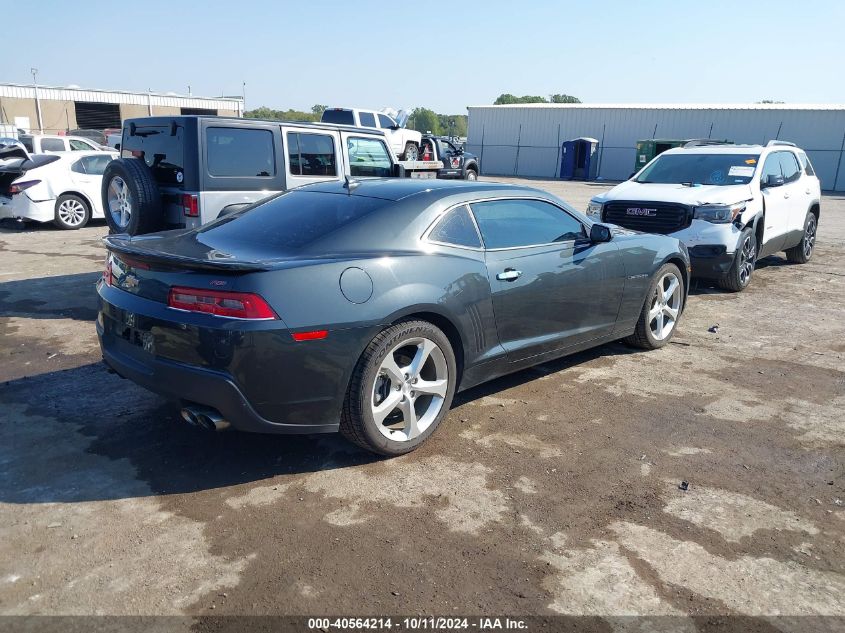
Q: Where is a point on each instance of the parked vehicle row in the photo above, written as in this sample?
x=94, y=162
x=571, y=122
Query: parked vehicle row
x=729, y=204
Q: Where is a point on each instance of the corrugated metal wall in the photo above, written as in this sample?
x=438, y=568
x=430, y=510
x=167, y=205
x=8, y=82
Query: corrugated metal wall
x=525, y=141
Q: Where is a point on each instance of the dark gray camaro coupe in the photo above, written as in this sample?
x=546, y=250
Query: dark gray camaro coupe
x=363, y=307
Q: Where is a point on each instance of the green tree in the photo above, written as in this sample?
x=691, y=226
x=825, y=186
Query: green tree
x=280, y=115
x=453, y=124
x=318, y=110
x=507, y=99
x=564, y=99
x=424, y=120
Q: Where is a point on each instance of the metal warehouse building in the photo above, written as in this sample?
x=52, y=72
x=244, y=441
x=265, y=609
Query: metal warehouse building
x=526, y=139
x=56, y=109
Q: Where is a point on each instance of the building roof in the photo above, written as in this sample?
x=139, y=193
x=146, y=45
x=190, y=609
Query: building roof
x=671, y=106
x=96, y=95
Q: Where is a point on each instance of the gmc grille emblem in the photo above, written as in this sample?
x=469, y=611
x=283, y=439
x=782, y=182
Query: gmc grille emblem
x=640, y=211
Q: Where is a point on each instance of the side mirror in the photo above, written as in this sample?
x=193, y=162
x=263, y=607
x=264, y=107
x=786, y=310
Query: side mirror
x=600, y=233
x=395, y=126
x=773, y=180
x=398, y=171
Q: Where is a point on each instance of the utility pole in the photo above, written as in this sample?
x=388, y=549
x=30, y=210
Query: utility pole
x=243, y=98
x=34, y=72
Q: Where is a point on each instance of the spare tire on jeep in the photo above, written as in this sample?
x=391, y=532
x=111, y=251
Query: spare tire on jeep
x=131, y=198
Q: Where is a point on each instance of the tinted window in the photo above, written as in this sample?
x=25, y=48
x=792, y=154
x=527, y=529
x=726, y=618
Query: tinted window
x=161, y=150
x=92, y=165
x=291, y=221
x=368, y=157
x=457, y=228
x=771, y=168
x=385, y=121
x=77, y=145
x=700, y=169
x=789, y=166
x=341, y=117
x=806, y=164
x=27, y=143
x=240, y=152
x=311, y=154
x=52, y=145
x=509, y=223
x=368, y=119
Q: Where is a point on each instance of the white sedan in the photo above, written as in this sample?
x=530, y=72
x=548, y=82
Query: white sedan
x=65, y=191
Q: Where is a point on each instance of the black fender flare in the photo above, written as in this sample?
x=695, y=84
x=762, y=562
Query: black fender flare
x=470, y=164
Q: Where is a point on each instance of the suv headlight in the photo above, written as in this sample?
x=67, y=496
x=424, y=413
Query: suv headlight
x=719, y=213
x=594, y=209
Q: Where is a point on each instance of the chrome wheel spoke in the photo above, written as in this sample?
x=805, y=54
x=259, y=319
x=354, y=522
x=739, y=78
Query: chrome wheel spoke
x=409, y=414
x=431, y=387
x=670, y=291
x=424, y=349
x=670, y=312
x=392, y=370
x=387, y=406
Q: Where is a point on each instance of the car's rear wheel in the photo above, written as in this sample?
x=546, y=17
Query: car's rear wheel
x=401, y=389
x=661, y=310
x=72, y=212
x=412, y=152
x=739, y=276
x=803, y=251
x=131, y=198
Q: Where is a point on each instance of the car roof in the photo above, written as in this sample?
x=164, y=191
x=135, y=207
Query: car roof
x=400, y=188
x=319, y=125
x=719, y=149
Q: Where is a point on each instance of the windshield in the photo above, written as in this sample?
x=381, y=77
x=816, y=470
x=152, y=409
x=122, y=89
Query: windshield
x=700, y=169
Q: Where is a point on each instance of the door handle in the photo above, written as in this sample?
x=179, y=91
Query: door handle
x=808, y=192
x=786, y=195
x=509, y=275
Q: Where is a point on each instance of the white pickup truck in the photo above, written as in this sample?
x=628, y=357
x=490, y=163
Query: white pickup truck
x=405, y=143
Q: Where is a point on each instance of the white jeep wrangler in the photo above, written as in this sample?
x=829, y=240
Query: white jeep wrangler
x=729, y=204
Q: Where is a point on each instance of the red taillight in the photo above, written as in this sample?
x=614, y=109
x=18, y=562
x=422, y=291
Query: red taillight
x=18, y=187
x=191, y=205
x=238, y=305
x=314, y=335
x=107, y=274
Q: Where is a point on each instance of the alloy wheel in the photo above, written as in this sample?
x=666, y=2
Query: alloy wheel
x=665, y=306
x=746, y=260
x=120, y=202
x=410, y=389
x=809, y=237
x=72, y=212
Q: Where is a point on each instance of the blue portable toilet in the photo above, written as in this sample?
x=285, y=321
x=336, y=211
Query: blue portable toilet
x=579, y=159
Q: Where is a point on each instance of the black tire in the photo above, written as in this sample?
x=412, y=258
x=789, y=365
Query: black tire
x=412, y=152
x=357, y=422
x=739, y=276
x=471, y=174
x=643, y=337
x=144, y=198
x=71, y=212
x=803, y=251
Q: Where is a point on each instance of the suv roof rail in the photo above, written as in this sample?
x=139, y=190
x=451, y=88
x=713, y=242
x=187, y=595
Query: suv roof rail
x=701, y=142
x=772, y=143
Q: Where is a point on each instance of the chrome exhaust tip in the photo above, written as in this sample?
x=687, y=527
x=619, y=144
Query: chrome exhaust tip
x=204, y=417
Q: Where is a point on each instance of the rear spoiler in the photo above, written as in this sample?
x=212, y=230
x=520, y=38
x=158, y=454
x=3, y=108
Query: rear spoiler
x=121, y=244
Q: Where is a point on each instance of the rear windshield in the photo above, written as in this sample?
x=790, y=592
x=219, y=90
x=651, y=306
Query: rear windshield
x=290, y=221
x=161, y=150
x=701, y=169
x=341, y=117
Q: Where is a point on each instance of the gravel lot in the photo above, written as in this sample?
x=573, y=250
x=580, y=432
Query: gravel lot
x=554, y=490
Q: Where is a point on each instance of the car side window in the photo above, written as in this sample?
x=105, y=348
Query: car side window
x=240, y=152
x=789, y=166
x=79, y=146
x=368, y=119
x=456, y=228
x=806, y=164
x=52, y=145
x=770, y=168
x=311, y=154
x=385, y=121
x=368, y=157
x=524, y=222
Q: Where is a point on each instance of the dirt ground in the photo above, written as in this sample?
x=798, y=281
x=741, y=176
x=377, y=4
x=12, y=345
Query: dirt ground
x=551, y=491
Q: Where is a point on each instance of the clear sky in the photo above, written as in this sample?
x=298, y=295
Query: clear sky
x=442, y=55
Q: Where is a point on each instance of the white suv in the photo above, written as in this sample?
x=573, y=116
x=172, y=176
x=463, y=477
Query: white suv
x=729, y=204
x=405, y=143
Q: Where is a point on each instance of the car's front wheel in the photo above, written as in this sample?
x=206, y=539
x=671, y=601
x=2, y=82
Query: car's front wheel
x=803, y=251
x=401, y=389
x=72, y=212
x=471, y=175
x=739, y=276
x=661, y=310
